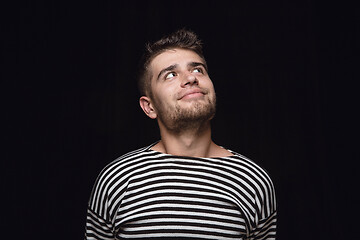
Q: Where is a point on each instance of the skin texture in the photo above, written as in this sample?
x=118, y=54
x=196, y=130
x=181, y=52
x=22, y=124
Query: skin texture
x=183, y=103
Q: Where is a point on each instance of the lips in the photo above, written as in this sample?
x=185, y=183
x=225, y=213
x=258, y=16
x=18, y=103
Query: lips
x=194, y=92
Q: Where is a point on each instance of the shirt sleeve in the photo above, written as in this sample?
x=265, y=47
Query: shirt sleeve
x=265, y=220
x=265, y=229
x=97, y=228
x=98, y=224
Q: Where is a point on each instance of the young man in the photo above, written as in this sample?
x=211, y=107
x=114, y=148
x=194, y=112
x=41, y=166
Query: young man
x=184, y=186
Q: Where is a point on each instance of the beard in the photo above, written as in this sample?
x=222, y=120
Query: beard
x=179, y=118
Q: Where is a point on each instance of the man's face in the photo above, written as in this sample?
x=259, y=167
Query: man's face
x=182, y=91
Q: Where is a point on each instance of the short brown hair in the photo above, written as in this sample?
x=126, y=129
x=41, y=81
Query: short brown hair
x=182, y=38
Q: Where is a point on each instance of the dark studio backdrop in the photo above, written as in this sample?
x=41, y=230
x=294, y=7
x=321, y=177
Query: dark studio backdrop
x=284, y=73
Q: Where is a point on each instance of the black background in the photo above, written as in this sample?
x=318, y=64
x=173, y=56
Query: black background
x=284, y=73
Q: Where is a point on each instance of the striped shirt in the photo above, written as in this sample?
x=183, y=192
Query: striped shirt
x=151, y=195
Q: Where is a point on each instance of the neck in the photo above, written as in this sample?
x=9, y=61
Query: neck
x=194, y=142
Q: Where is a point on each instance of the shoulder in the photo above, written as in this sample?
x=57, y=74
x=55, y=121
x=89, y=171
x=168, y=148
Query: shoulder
x=122, y=160
x=247, y=163
x=251, y=171
x=113, y=178
x=123, y=163
x=259, y=178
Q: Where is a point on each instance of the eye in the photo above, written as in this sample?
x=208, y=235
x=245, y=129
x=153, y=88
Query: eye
x=197, y=70
x=170, y=75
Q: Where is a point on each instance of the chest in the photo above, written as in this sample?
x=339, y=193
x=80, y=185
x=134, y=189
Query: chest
x=183, y=201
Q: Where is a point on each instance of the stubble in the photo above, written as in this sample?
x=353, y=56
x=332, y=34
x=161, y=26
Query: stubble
x=179, y=118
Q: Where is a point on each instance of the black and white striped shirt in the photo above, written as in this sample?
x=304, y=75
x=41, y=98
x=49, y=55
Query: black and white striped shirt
x=151, y=195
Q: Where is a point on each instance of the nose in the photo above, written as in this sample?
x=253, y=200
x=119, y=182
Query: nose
x=189, y=80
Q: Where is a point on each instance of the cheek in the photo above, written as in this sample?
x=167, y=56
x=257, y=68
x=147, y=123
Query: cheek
x=210, y=86
x=206, y=80
x=169, y=92
x=212, y=91
x=164, y=96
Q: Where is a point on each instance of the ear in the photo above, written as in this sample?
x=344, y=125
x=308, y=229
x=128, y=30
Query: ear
x=147, y=107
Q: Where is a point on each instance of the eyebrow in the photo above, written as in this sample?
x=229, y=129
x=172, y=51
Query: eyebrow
x=195, y=64
x=174, y=66
x=169, y=68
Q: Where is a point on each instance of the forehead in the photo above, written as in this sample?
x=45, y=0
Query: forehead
x=174, y=56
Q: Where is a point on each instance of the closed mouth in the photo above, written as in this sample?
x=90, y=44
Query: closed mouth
x=195, y=92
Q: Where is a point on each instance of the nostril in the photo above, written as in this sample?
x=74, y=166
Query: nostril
x=193, y=81
x=189, y=80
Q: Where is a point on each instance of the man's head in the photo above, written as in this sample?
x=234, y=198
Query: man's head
x=178, y=91
x=183, y=39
